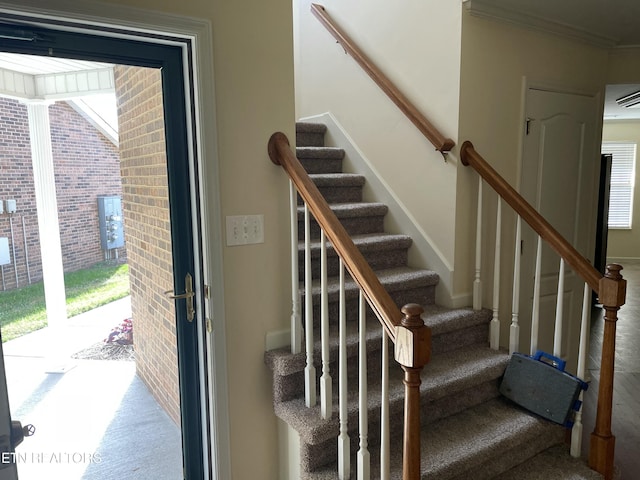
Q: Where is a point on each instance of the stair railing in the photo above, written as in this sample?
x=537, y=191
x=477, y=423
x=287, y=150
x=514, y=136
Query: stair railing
x=438, y=140
x=610, y=288
x=412, y=338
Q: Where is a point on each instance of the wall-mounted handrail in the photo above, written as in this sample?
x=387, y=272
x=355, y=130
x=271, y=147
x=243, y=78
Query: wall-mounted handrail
x=470, y=157
x=438, y=140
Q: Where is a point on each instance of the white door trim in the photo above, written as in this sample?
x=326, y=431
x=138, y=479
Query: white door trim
x=151, y=26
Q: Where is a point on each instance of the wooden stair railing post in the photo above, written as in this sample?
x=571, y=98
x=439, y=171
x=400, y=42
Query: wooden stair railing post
x=612, y=296
x=412, y=352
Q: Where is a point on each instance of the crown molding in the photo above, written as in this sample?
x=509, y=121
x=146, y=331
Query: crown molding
x=483, y=9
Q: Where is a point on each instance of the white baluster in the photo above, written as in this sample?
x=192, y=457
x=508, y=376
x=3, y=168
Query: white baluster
x=326, y=406
x=514, y=330
x=557, y=336
x=385, y=435
x=296, y=326
x=494, y=333
x=477, y=283
x=364, y=461
x=309, y=370
x=535, y=309
x=576, y=432
x=344, y=450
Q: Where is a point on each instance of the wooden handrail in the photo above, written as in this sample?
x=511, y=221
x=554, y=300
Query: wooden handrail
x=379, y=300
x=470, y=157
x=438, y=140
x=412, y=338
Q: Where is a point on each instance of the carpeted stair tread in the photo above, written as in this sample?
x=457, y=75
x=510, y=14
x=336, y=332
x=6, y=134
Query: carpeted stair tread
x=393, y=279
x=353, y=210
x=446, y=374
x=458, y=447
x=465, y=441
x=442, y=319
x=282, y=362
x=320, y=153
x=555, y=463
x=368, y=242
x=337, y=179
x=309, y=127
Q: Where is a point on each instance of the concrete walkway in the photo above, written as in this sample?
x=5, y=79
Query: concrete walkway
x=94, y=421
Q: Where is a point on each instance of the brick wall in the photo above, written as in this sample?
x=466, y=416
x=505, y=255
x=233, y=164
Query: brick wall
x=147, y=233
x=86, y=165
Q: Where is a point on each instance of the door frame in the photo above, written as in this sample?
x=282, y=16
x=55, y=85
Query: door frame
x=194, y=37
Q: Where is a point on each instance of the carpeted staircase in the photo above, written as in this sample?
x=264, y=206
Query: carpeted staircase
x=469, y=431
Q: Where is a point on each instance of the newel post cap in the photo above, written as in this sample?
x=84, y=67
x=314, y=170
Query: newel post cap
x=613, y=288
x=413, y=338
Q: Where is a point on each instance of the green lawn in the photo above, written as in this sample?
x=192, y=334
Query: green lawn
x=23, y=311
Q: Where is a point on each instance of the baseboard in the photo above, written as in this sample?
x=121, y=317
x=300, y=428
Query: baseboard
x=423, y=253
x=623, y=260
x=289, y=452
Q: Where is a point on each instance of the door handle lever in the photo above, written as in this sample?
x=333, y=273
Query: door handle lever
x=187, y=295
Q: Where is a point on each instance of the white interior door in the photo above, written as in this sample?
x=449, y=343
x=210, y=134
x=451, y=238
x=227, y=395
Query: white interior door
x=559, y=178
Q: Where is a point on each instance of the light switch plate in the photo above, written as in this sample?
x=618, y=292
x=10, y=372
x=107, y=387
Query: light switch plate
x=245, y=229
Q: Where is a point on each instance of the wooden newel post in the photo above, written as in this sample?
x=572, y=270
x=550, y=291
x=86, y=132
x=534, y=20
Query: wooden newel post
x=613, y=289
x=412, y=352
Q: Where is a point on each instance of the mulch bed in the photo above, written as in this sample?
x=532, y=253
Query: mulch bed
x=106, y=351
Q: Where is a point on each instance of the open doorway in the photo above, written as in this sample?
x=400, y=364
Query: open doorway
x=174, y=212
x=80, y=405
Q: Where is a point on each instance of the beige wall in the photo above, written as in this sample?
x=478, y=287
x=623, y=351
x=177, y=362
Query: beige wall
x=496, y=57
x=422, y=59
x=253, y=62
x=624, y=244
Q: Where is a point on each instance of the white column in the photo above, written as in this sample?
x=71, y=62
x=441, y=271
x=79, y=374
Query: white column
x=47, y=206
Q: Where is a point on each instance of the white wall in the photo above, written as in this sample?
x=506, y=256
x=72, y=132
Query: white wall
x=625, y=244
x=496, y=57
x=417, y=45
x=254, y=95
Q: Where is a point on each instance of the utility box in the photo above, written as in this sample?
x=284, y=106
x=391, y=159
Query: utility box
x=111, y=222
x=5, y=257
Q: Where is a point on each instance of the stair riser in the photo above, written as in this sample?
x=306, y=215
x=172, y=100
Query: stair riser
x=290, y=386
x=509, y=458
x=341, y=194
x=378, y=260
x=353, y=226
x=310, y=139
x=317, y=456
x=322, y=165
x=420, y=295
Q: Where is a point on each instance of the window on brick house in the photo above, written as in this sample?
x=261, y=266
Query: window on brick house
x=623, y=168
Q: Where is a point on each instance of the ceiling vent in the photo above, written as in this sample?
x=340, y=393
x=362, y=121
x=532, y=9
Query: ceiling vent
x=630, y=100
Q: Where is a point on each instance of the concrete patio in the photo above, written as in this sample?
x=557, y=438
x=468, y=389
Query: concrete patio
x=94, y=419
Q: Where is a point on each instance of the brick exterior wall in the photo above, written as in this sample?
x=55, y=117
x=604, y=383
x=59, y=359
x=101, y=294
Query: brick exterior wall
x=86, y=165
x=147, y=232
